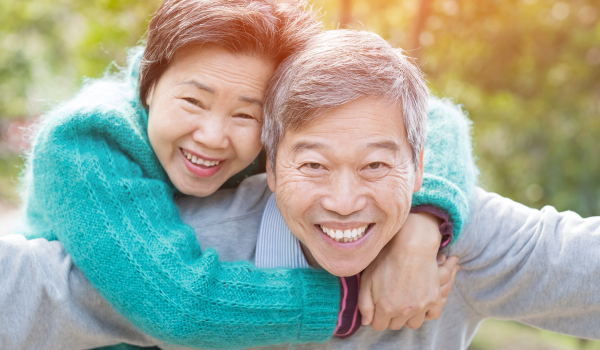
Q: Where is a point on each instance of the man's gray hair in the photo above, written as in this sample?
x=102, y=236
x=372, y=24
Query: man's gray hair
x=337, y=67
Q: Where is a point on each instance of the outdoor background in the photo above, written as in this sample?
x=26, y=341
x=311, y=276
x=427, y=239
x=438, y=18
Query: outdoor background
x=527, y=71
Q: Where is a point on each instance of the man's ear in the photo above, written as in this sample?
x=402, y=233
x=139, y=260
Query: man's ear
x=270, y=176
x=419, y=172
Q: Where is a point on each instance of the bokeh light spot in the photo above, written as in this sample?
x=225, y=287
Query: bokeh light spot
x=534, y=192
x=450, y=7
x=560, y=11
x=587, y=15
x=593, y=56
x=426, y=38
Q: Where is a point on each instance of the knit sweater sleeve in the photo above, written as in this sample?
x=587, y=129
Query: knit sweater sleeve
x=450, y=173
x=93, y=185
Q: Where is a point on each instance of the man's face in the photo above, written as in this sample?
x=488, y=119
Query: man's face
x=344, y=183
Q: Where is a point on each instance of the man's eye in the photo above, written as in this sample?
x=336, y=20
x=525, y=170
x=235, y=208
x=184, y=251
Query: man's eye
x=314, y=166
x=375, y=165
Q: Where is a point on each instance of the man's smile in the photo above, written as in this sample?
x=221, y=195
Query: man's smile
x=345, y=235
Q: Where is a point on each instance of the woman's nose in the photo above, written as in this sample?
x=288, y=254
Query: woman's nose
x=212, y=132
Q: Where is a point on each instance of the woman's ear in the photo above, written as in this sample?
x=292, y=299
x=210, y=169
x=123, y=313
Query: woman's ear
x=270, y=176
x=149, y=96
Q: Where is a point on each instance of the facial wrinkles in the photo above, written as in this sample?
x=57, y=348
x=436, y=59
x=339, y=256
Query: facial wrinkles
x=402, y=185
x=176, y=125
x=190, y=125
x=224, y=73
x=354, y=136
x=228, y=85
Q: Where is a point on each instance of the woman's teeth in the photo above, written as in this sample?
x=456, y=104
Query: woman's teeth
x=345, y=235
x=200, y=161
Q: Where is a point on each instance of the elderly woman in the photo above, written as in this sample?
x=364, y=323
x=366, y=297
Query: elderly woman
x=106, y=167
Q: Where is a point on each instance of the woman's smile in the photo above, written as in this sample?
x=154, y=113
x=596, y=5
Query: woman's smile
x=199, y=165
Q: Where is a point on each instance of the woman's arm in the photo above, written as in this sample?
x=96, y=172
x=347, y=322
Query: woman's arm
x=95, y=184
x=450, y=173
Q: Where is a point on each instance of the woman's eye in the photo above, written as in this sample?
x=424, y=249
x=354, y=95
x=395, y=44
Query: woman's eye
x=193, y=101
x=244, y=116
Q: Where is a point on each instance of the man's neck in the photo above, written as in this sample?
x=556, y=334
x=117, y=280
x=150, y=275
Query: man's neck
x=309, y=257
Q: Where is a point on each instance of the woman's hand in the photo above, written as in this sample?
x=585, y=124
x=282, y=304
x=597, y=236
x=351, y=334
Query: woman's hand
x=408, y=282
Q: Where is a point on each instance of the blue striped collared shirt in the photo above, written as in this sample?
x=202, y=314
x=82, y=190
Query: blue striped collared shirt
x=276, y=246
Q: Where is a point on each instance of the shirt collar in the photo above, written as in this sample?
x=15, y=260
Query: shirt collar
x=276, y=246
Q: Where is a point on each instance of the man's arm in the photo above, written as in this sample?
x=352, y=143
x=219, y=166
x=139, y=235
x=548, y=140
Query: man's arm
x=47, y=303
x=538, y=267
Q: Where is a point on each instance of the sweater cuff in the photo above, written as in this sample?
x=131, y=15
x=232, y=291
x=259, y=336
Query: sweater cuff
x=445, y=195
x=349, y=318
x=445, y=227
x=320, y=306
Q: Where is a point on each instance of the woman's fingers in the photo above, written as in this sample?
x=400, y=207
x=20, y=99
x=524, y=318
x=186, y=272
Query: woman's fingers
x=441, y=257
x=415, y=322
x=365, y=302
x=448, y=272
x=435, y=312
x=384, y=312
x=446, y=288
x=446, y=269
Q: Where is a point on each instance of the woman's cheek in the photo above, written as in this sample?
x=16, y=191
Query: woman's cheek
x=246, y=140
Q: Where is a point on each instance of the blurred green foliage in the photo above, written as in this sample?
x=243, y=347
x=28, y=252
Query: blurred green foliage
x=502, y=335
x=46, y=47
x=528, y=73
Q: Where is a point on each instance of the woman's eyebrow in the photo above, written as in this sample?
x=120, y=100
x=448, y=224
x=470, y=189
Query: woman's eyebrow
x=198, y=85
x=251, y=100
x=207, y=88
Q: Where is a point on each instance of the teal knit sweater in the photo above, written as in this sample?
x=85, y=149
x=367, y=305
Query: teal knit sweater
x=450, y=173
x=93, y=182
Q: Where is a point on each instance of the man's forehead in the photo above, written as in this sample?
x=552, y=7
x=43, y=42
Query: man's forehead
x=365, y=112
x=304, y=144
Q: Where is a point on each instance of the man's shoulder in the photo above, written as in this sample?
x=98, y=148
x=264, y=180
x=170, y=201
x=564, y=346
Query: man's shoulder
x=493, y=219
x=248, y=199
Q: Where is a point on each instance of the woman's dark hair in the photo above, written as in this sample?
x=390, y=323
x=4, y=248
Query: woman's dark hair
x=263, y=27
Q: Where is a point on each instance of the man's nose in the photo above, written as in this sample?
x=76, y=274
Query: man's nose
x=345, y=196
x=212, y=131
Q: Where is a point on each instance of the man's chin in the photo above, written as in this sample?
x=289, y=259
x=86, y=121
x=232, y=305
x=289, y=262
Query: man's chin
x=343, y=268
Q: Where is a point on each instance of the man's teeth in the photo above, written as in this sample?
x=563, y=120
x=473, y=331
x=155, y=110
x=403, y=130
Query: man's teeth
x=200, y=161
x=345, y=235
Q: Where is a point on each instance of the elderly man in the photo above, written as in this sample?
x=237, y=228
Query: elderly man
x=345, y=156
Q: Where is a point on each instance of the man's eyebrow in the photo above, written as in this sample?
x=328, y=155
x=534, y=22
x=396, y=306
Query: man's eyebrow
x=391, y=145
x=198, y=85
x=251, y=100
x=303, y=145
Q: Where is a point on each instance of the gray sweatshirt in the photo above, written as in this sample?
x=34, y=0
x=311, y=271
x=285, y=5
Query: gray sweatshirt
x=535, y=267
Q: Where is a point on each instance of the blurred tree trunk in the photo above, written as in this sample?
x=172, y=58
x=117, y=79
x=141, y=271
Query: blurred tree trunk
x=414, y=43
x=345, y=12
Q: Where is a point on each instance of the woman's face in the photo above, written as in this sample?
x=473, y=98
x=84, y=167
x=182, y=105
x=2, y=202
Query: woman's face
x=205, y=116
